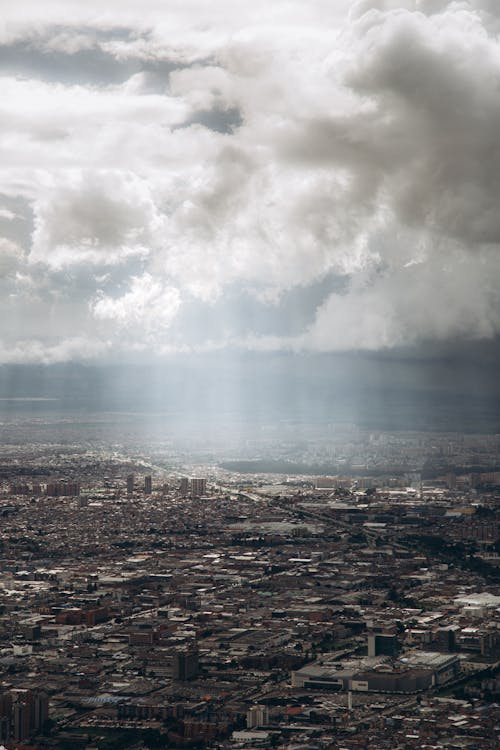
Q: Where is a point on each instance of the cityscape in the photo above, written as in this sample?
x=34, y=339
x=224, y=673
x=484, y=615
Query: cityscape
x=150, y=601
x=250, y=375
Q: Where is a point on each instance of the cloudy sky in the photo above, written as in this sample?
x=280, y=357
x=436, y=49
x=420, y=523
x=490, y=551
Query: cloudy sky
x=286, y=176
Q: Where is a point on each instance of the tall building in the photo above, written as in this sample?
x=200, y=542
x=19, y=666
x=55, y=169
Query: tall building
x=40, y=711
x=382, y=644
x=5, y=716
x=130, y=485
x=21, y=721
x=4, y=728
x=184, y=486
x=19, y=489
x=148, y=485
x=445, y=638
x=185, y=665
x=451, y=481
x=257, y=716
x=23, y=714
x=62, y=489
x=198, y=486
x=5, y=704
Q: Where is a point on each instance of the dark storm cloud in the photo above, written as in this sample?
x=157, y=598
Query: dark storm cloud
x=426, y=132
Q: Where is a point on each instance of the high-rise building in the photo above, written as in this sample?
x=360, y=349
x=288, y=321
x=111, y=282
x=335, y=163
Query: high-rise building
x=185, y=665
x=385, y=644
x=40, y=711
x=5, y=716
x=198, y=486
x=62, y=489
x=445, y=638
x=19, y=489
x=4, y=728
x=148, y=485
x=23, y=713
x=257, y=716
x=130, y=485
x=5, y=704
x=184, y=486
x=21, y=721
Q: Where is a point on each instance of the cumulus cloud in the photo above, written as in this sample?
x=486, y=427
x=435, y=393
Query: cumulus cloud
x=437, y=78
x=93, y=218
x=416, y=303
x=147, y=306
x=265, y=148
x=11, y=258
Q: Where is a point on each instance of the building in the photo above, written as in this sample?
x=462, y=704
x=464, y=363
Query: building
x=40, y=711
x=184, y=486
x=326, y=483
x=148, y=485
x=185, y=665
x=5, y=716
x=198, y=486
x=130, y=485
x=445, y=638
x=247, y=738
x=382, y=644
x=418, y=670
x=29, y=712
x=21, y=721
x=257, y=716
x=19, y=489
x=62, y=489
x=4, y=728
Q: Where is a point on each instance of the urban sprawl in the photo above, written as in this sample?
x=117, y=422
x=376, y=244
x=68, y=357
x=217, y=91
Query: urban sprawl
x=148, y=600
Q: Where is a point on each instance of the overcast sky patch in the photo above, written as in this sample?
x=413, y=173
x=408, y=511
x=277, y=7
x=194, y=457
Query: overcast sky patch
x=272, y=177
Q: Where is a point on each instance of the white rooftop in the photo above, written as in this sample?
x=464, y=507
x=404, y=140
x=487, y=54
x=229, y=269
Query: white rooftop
x=478, y=600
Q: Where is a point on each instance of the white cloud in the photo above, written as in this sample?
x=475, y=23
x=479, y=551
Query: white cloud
x=93, y=218
x=11, y=258
x=147, y=308
x=5, y=213
x=53, y=126
x=411, y=305
x=30, y=351
x=366, y=146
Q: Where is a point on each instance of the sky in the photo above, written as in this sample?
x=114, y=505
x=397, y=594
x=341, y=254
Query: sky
x=268, y=210
x=289, y=181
